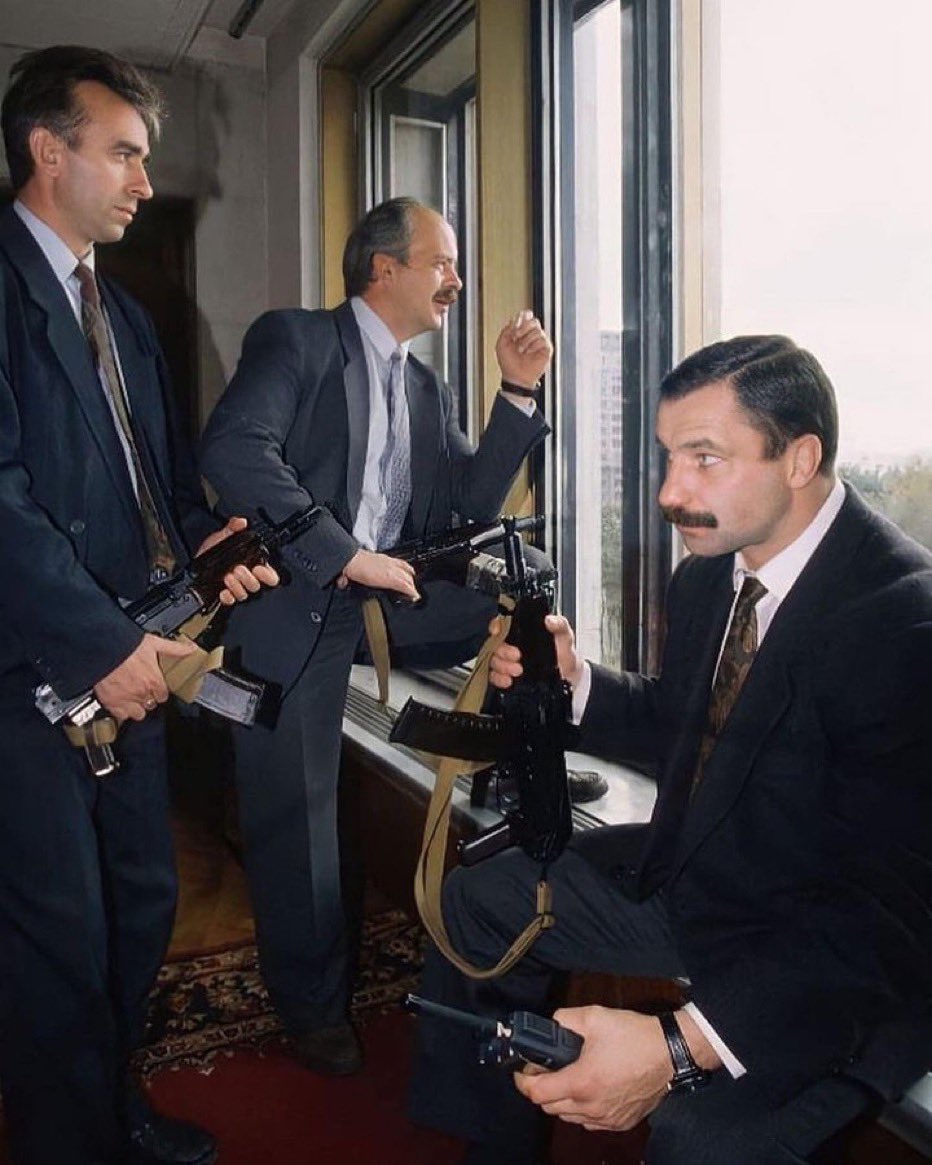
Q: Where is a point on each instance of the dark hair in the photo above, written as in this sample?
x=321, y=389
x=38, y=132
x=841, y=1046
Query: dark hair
x=783, y=389
x=386, y=230
x=41, y=93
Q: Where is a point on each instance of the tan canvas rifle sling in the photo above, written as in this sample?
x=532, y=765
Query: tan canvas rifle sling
x=428, y=877
x=184, y=676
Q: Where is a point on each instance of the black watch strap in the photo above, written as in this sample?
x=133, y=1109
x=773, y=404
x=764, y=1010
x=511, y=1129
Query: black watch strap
x=520, y=389
x=686, y=1072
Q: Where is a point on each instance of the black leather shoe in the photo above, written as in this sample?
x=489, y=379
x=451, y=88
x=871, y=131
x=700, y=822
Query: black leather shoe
x=160, y=1140
x=332, y=1051
x=491, y=791
x=585, y=785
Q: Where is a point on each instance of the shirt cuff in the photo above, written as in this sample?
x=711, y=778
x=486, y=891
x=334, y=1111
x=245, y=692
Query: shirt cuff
x=526, y=404
x=581, y=692
x=730, y=1061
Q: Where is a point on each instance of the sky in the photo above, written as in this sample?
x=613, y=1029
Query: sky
x=826, y=223
x=824, y=137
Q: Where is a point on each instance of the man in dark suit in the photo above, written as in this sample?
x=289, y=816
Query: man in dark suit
x=331, y=405
x=97, y=499
x=786, y=874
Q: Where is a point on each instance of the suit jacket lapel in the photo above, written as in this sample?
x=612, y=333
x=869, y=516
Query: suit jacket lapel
x=356, y=384
x=142, y=388
x=768, y=690
x=698, y=652
x=70, y=348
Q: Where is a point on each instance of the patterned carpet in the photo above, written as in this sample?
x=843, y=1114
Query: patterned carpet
x=214, y=1004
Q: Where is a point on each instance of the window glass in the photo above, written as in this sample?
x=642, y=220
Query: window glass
x=825, y=227
x=597, y=101
x=424, y=139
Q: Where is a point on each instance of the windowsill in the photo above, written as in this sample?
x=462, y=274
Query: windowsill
x=630, y=796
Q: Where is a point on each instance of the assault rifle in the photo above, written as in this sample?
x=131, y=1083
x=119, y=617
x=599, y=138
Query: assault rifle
x=164, y=610
x=526, y=735
x=456, y=554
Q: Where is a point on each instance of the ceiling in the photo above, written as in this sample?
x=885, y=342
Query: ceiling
x=157, y=33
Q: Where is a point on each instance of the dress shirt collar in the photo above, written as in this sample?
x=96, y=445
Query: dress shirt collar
x=376, y=331
x=781, y=572
x=60, y=256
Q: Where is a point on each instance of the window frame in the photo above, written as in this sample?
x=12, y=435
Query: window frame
x=647, y=296
x=432, y=27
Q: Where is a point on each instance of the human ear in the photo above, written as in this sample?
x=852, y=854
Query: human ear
x=382, y=267
x=46, y=150
x=805, y=459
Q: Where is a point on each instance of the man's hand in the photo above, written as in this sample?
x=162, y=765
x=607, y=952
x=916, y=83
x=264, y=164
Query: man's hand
x=505, y=664
x=619, y=1078
x=523, y=350
x=380, y=572
x=240, y=582
x=136, y=686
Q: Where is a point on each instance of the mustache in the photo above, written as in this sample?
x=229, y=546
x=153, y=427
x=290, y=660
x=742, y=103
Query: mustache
x=447, y=295
x=678, y=517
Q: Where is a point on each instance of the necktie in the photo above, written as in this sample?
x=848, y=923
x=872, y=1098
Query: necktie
x=738, y=653
x=395, y=463
x=158, y=546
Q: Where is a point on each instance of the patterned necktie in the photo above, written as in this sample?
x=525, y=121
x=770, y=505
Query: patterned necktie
x=395, y=463
x=738, y=653
x=158, y=546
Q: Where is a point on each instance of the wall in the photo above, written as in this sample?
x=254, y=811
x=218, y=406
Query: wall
x=213, y=150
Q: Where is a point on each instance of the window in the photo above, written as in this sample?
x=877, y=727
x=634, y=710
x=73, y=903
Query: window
x=420, y=106
x=818, y=150
x=605, y=273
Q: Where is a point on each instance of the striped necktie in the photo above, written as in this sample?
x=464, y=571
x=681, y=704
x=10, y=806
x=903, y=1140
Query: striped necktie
x=395, y=463
x=161, y=557
x=738, y=652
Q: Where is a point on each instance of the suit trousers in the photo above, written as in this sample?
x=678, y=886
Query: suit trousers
x=87, y=894
x=597, y=929
x=287, y=785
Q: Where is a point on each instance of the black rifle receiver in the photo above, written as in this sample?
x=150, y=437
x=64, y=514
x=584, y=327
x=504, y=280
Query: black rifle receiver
x=523, y=1038
x=446, y=553
x=526, y=734
x=456, y=555
x=166, y=607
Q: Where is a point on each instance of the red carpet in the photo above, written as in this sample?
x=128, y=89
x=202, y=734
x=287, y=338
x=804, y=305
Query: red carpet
x=216, y=1056
x=267, y=1110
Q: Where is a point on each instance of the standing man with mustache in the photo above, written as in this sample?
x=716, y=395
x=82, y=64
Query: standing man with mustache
x=98, y=501
x=330, y=405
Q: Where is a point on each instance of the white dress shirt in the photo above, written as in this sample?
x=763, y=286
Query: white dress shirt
x=378, y=344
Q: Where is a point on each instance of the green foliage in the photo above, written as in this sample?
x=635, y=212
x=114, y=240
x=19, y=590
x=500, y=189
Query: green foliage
x=902, y=492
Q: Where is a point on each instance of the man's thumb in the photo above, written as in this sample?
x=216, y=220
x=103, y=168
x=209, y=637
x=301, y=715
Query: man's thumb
x=176, y=648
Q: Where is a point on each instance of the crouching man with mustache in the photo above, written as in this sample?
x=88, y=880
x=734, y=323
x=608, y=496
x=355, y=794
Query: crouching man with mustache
x=331, y=405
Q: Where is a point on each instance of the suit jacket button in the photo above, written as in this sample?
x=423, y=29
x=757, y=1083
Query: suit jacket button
x=315, y=616
x=76, y=526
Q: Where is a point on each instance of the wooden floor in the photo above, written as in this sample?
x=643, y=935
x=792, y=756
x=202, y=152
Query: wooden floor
x=213, y=901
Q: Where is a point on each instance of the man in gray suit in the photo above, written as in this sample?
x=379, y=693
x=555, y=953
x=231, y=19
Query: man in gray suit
x=330, y=405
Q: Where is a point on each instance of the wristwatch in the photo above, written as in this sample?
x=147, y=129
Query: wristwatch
x=687, y=1075
x=520, y=389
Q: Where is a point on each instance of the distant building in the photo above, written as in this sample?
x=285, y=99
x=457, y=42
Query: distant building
x=610, y=415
